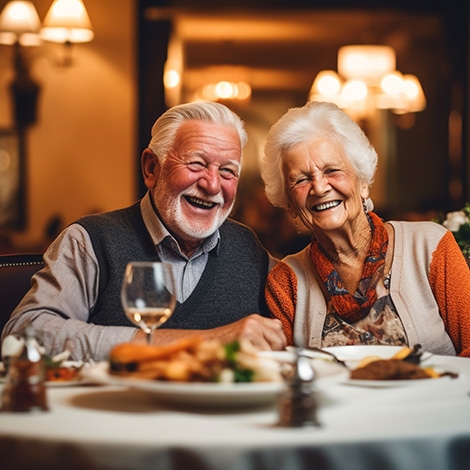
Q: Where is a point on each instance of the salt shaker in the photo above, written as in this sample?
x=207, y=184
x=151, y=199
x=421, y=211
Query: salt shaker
x=297, y=404
x=25, y=389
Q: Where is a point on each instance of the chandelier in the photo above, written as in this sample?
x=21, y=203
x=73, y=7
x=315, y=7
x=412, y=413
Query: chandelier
x=367, y=80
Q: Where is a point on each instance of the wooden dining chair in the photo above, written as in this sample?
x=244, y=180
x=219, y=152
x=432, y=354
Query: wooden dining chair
x=15, y=280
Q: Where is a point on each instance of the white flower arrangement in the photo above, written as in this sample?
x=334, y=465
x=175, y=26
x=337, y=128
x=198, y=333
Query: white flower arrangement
x=458, y=223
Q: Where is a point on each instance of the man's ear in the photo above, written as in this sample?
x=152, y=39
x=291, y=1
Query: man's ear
x=150, y=168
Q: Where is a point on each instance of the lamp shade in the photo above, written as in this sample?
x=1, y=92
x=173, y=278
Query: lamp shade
x=67, y=21
x=326, y=83
x=19, y=18
x=366, y=62
x=414, y=91
x=327, y=87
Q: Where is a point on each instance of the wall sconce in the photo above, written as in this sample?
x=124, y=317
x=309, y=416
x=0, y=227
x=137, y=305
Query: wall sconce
x=66, y=22
x=367, y=80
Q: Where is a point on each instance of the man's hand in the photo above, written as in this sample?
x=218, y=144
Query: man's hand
x=264, y=333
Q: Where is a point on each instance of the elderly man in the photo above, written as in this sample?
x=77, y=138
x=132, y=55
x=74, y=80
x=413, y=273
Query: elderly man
x=191, y=169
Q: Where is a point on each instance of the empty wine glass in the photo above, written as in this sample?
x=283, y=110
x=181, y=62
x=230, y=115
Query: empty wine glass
x=148, y=294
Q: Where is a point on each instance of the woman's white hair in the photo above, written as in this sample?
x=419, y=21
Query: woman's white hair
x=304, y=124
x=166, y=126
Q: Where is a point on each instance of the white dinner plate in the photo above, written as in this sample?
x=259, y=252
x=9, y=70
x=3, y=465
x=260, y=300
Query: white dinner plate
x=352, y=355
x=394, y=383
x=213, y=395
x=79, y=380
x=67, y=383
x=58, y=383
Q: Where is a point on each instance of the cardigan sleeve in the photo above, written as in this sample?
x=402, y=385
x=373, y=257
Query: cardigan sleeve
x=449, y=277
x=281, y=297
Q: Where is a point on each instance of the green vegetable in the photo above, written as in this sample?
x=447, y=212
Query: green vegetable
x=241, y=374
x=50, y=364
x=230, y=351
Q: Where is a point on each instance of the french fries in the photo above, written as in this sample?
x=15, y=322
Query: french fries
x=130, y=352
x=193, y=360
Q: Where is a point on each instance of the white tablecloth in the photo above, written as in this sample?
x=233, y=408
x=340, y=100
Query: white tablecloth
x=425, y=427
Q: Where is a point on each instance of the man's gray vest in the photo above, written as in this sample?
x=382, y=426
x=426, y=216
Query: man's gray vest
x=231, y=287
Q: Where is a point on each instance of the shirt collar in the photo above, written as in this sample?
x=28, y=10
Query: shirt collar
x=159, y=233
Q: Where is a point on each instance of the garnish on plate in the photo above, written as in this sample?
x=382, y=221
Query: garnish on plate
x=59, y=371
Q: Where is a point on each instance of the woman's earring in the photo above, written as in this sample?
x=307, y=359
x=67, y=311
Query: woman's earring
x=364, y=206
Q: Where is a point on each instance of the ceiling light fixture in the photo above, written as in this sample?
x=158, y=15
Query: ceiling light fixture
x=367, y=80
x=226, y=90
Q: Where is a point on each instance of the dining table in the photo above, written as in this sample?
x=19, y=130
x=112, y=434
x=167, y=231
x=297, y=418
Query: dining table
x=420, y=425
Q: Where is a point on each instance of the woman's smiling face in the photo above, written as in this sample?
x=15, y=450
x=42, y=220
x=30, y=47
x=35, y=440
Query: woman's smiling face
x=322, y=186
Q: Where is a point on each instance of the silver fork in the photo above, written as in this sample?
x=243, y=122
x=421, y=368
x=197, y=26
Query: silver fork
x=323, y=351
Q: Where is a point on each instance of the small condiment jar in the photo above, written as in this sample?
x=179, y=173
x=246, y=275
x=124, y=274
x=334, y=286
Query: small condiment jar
x=297, y=404
x=25, y=389
x=11, y=346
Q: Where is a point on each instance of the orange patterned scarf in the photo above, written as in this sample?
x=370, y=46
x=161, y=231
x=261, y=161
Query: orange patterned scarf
x=349, y=307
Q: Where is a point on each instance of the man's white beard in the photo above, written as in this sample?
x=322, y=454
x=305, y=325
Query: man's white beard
x=193, y=228
x=173, y=215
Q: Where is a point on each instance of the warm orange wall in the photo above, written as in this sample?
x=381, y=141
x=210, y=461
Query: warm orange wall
x=81, y=151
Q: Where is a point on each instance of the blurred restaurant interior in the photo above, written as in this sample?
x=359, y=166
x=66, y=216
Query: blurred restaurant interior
x=75, y=116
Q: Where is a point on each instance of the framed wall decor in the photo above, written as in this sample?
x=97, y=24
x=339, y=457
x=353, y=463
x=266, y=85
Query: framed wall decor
x=12, y=180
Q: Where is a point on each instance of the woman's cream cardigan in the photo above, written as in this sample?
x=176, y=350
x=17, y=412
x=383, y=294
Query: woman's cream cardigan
x=429, y=286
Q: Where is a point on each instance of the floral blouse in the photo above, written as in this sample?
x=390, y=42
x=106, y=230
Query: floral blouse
x=382, y=325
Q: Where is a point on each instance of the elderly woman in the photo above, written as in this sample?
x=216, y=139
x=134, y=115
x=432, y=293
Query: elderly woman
x=360, y=280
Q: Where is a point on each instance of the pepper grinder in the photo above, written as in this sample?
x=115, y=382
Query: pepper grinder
x=25, y=389
x=297, y=404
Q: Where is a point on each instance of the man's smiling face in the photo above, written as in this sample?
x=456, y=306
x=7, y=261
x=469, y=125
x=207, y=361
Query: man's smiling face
x=197, y=183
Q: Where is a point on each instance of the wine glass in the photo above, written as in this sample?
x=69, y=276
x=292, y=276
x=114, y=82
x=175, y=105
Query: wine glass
x=148, y=294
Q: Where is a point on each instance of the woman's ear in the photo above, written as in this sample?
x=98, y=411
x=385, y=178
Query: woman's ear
x=150, y=168
x=365, y=191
